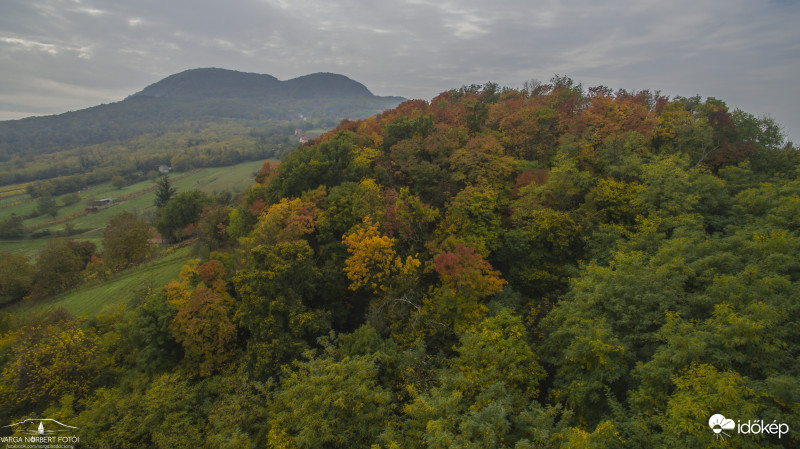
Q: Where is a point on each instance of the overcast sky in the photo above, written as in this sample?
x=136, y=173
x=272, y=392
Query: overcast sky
x=60, y=55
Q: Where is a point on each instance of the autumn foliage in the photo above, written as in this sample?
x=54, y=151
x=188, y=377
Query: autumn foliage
x=548, y=267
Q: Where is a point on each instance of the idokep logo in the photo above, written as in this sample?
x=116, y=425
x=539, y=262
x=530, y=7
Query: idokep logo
x=719, y=424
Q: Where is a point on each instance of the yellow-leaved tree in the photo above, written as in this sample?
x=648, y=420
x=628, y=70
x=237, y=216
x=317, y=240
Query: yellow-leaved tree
x=373, y=263
x=48, y=362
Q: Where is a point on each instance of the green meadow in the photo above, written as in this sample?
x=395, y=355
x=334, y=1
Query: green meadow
x=135, y=198
x=95, y=298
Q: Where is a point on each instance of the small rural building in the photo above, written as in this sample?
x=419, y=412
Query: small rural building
x=104, y=202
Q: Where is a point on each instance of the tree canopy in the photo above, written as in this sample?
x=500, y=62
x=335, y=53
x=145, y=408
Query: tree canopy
x=545, y=267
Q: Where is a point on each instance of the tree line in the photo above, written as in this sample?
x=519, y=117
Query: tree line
x=128, y=240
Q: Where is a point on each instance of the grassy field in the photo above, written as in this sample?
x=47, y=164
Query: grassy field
x=136, y=199
x=93, y=299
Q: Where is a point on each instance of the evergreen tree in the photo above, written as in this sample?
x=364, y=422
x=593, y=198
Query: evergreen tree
x=164, y=192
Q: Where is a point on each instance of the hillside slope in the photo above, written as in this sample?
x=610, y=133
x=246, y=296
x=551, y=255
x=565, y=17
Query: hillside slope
x=497, y=268
x=187, y=102
x=199, y=95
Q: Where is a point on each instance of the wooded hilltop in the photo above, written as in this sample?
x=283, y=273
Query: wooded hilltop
x=550, y=266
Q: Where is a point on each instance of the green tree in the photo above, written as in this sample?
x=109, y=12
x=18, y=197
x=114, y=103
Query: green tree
x=330, y=163
x=702, y=391
x=672, y=190
x=69, y=199
x=16, y=277
x=179, y=212
x=161, y=412
x=240, y=222
x=408, y=217
x=146, y=342
x=566, y=187
x=481, y=397
x=541, y=251
x=49, y=361
x=212, y=228
x=119, y=182
x=126, y=240
x=164, y=191
x=329, y=403
x=236, y=418
x=60, y=265
x=612, y=201
x=46, y=205
x=275, y=287
x=12, y=228
x=681, y=128
x=346, y=205
x=473, y=218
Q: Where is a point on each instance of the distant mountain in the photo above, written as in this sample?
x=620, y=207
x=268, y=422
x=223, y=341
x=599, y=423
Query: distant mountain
x=191, y=98
x=325, y=84
x=213, y=82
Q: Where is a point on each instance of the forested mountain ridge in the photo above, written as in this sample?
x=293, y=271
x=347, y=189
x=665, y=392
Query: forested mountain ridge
x=196, y=95
x=496, y=268
x=251, y=111
x=212, y=82
x=215, y=82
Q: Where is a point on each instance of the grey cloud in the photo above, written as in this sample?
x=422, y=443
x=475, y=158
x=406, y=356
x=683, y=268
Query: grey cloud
x=82, y=52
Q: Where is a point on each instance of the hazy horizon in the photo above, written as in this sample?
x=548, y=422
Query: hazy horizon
x=60, y=56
